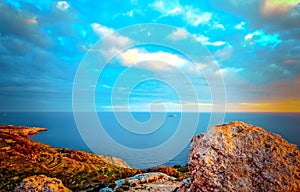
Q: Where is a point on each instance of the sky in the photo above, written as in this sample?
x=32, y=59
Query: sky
x=248, y=55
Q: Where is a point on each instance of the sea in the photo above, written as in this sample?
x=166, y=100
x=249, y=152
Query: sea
x=141, y=141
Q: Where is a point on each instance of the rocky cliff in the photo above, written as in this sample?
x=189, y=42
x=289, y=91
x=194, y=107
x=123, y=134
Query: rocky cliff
x=21, y=157
x=242, y=157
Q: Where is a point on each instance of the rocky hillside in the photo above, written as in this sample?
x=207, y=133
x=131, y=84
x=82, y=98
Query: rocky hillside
x=242, y=157
x=21, y=157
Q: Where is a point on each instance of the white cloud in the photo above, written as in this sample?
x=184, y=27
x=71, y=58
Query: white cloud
x=201, y=38
x=205, y=41
x=229, y=71
x=218, y=26
x=240, y=26
x=192, y=16
x=195, y=17
x=259, y=37
x=216, y=43
x=168, y=9
x=101, y=30
x=113, y=43
x=249, y=36
x=130, y=13
x=197, y=68
x=224, y=54
x=158, y=61
x=62, y=5
x=112, y=39
x=175, y=11
x=179, y=34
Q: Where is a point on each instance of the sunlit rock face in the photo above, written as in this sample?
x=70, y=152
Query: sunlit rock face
x=242, y=157
x=41, y=183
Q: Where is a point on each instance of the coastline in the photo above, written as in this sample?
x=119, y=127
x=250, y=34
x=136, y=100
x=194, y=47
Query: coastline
x=21, y=130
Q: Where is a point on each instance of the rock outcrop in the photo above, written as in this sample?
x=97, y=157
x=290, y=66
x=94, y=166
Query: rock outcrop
x=242, y=157
x=144, y=178
x=41, y=183
x=114, y=161
x=21, y=130
x=151, y=181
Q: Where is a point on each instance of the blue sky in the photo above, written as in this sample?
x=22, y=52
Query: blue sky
x=255, y=44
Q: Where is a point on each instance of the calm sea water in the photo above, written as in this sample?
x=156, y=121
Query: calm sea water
x=63, y=131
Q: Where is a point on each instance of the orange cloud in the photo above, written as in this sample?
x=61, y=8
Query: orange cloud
x=277, y=106
x=31, y=21
x=277, y=7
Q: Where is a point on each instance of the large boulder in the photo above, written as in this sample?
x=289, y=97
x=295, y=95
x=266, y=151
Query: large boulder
x=242, y=157
x=41, y=183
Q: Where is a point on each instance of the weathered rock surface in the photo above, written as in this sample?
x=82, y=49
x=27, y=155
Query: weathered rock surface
x=152, y=181
x=145, y=178
x=114, y=160
x=41, y=183
x=242, y=157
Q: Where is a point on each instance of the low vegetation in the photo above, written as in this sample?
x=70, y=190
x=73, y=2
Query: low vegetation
x=21, y=157
x=177, y=171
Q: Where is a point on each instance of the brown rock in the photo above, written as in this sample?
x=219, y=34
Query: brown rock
x=21, y=130
x=114, y=161
x=242, y=157
x=41, y=183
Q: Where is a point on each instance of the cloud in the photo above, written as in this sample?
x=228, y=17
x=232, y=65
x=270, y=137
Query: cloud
x=240, y=26
x=101, y=30
x=267, y=106
x=14, y=46
x=178, y=34
x=287, y=88
x=291, y=61
x=273, y=8
x=195, y=17
x=167, y=8
x=62, y=5
x=229, y=71
x=218, y=26
x=191, y=15
x=113, y=43
x=259, y=37
x=224, y=54
x=16, y=24
x=206, y=41
x=157, y=61
x=157, y=107
x=31, y=21
x=196, y=69
x=273, y=16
